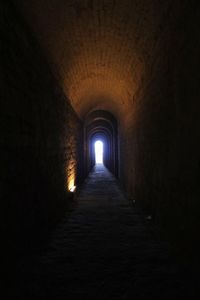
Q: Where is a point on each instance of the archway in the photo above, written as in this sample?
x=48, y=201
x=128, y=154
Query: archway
x=101, y=126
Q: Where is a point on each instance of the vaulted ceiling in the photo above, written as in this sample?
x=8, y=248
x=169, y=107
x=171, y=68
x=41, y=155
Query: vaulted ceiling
x=99, y=49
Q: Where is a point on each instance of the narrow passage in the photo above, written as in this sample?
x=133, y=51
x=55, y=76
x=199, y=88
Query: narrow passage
x=105, y=249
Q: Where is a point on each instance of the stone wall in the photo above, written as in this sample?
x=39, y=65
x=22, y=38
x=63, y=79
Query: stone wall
x=160, y=140
x=40, y=135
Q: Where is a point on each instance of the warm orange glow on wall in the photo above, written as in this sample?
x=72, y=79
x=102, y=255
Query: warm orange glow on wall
x=71, y=183
x=71, y=175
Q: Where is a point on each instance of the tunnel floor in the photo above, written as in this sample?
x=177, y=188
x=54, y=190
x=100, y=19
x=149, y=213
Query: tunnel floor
x=105, y=249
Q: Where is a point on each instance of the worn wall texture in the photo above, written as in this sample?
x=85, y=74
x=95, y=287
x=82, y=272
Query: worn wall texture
x=138, y=60
x=160, y=142
x=40, y=134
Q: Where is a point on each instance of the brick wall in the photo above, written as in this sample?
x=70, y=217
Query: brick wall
x=160, y=141
x=136, y=59
x=40, y=134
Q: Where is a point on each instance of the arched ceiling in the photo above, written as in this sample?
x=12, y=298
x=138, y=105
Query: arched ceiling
x=99, y=49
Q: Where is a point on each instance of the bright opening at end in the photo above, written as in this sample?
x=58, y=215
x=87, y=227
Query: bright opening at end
x=98, y=146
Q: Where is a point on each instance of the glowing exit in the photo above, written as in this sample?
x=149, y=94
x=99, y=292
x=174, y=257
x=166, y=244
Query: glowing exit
x=98, y=146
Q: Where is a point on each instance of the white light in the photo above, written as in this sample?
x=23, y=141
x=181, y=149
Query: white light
x=98, y=152
x=72, y=189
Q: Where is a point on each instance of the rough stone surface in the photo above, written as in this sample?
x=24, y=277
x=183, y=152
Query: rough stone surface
x=40, y=135
x=105, y=249
x=139, y=60
x=160, y=140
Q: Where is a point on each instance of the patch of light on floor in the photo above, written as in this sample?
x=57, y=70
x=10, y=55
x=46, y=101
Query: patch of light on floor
x=98, y=146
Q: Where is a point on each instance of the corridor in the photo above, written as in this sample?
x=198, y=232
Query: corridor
x=125, y=74
x=105, y=249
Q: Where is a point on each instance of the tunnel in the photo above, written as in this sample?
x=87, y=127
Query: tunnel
x=126, y=73
x=102, y=125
